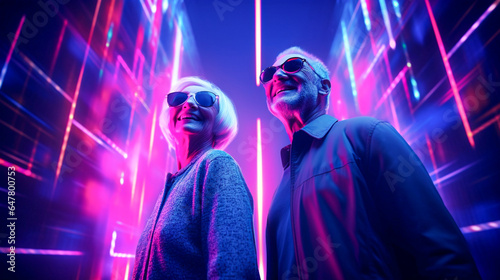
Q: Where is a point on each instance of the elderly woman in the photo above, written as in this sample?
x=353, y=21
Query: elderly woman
x=201, y=225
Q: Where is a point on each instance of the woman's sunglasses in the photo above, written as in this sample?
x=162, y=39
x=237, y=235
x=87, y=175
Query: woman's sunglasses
x=291, y=65
x=202, y=98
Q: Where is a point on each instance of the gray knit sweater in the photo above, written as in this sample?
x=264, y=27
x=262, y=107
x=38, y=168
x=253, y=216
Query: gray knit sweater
x=201, y=226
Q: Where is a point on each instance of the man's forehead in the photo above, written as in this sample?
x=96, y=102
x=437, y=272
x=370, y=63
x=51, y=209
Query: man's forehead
x=282, y=58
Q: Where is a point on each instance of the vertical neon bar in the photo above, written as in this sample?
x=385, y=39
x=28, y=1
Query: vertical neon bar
x=366, y=16
x=258, y=53
x=75, y=98
x=58, y=48
x=260, y=189
x=451, y=78
x=395, y=5
x=12, y=47
x=387, y=23
x=177, y=55
x=349, y=64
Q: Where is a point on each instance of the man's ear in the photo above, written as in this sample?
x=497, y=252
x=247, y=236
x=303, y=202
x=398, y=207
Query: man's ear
x=325, y=87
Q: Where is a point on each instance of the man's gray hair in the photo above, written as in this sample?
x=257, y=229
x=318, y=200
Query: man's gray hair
x=316, y=63
x=225, y=123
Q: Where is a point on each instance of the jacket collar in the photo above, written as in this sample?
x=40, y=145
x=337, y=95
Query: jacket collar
x=317, y=128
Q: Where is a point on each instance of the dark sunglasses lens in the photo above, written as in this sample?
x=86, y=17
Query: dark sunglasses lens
x=205, y=98
x=268, y=74
x=292, y=65
x=176, y=98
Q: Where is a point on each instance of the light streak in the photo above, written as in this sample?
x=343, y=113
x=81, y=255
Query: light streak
x=29, y=251
x=20, y=170
x=11, y=50
x=395, y=5
x=481, y=227
x=258, y=43
x=454, y=173
x=366, y=16
x=349, y=64
x=375, y=60
x=387, y=23
x=473, y=28
x=59, y=42
x=260, y=189
x=392, y=86
x=177, y=55
x=112, y=249
x=75, y=99
x=451, y=78
x=152, y=136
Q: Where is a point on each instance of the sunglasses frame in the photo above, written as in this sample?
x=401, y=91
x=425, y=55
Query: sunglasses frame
x=195, y=100
x=288, y=72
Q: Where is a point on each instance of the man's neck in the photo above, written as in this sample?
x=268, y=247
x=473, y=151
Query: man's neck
x=297, y=121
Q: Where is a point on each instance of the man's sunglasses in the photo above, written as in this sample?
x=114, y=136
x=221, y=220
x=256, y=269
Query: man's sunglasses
x=291, y=65
x=202, y=98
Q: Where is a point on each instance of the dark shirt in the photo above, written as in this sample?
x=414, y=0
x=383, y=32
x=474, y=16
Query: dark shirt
x=201, y=226
x=355, y=202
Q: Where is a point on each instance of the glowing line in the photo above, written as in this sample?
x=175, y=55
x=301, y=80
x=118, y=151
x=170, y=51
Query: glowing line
x=112, y=249
x=392, y=86
x=108, y=144
x=59, y=42
x=28, y=251
x=20, y=170
x=387, y=23
x=375, y=60
x=395, y=4
x=349, y=64
x=75, y=99
x=454, y=173
x=11, y=50
x=141, y=204
x=366, y=16
x=488, y=123
x=451, y=78
x=258, y=43
x=127, y=270
x=260, y=190
x=177, y=55
x=473, y=28
x=481, y=227
x=89, y=134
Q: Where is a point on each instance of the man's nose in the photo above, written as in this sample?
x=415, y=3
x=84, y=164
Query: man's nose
x=280, y=74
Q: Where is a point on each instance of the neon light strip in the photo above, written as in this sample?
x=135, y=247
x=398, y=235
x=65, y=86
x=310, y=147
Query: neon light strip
x=89, y=134
x=11, y=50
x=454, y=173
x=75, y=99
x=395, y=4
x=59, y=42
x=451, y=78
x=349, y=64
x=27, y=251
x=481, y=227
x=387, y=23
x=473, y=28
x=47, y=78
x=111, y=146
x=20, y=169
x=392, y=86
x=258, y=42
x=152, y=136
x=177, y=55
x=375, y=60
x=488, y=123
x=260, y=190
x=366, y=16
x=112, y=249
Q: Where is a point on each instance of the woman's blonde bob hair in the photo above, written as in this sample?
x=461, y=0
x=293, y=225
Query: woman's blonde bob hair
x=225, y=123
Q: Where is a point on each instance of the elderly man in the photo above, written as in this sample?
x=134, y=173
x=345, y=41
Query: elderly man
x=355, y=202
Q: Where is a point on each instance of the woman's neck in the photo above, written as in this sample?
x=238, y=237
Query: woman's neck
x=187, y=149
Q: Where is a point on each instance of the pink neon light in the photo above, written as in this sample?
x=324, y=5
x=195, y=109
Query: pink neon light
x=11, y=50
x=112, y=249
x=472, y=28
x=260, y=189
x=75, y=99
x=451, y=78
x=20, y=169
x=27, y=251
x=177, y=55
x=59, y=41
x=392, y=86
x=375, y=60
x=152, y=136
x=258, y=43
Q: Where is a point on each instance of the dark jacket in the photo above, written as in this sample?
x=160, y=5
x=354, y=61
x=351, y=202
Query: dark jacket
x=355, y=202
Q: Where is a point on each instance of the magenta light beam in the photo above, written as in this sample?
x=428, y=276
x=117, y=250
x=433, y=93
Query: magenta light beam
x=473, y=28
x=349, y=64
x=260, y=189
x=11, y=50
x=451, y=78
x=258, y=44
x=177, y=55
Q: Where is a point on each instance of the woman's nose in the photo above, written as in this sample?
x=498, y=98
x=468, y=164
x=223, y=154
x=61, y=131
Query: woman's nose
x=191, y=102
